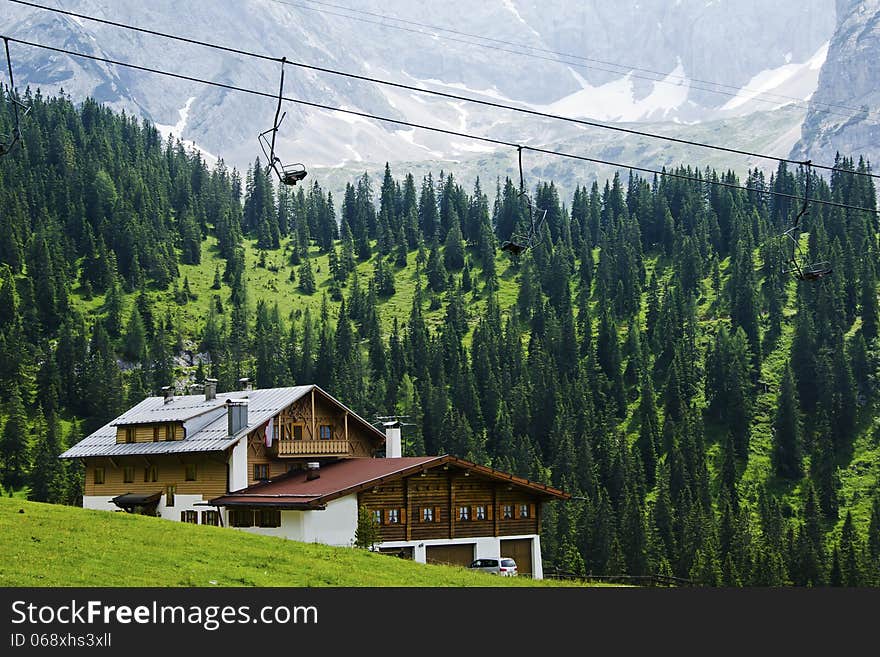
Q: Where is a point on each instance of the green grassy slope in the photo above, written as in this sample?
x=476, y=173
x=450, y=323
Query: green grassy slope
x=272, y=283
x=53, y=545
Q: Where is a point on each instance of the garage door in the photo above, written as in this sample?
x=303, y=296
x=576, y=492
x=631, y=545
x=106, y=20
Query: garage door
x=460, y=554
x=520, y=550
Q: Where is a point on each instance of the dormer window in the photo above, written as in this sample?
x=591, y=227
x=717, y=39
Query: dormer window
x=169, y=431
x=129, y=434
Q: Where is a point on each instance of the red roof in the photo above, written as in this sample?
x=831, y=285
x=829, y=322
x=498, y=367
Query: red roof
x=294, y=490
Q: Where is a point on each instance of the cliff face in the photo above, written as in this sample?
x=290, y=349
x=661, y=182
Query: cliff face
x=844, y=113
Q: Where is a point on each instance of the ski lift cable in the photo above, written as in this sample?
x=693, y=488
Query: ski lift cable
x=445, y=131
x=451, y=96
x=15, y=136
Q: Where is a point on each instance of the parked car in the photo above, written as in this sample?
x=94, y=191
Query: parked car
x=504, y=566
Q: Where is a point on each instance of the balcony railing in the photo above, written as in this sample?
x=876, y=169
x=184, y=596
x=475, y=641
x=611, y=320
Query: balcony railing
x=309, y=447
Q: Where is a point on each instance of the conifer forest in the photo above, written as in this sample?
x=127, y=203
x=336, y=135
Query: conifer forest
x=713, y=417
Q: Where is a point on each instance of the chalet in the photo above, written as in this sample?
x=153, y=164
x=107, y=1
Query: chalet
x=295, y=462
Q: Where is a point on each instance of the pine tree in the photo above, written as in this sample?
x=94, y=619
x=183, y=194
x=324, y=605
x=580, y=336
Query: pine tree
x=306, y=277
x=47, y=478
x=135, y=340
x=786, y=431
x=453, y=250
x=14, y=459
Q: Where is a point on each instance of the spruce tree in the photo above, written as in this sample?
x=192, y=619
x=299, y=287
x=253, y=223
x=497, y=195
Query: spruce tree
x=786, y=431
x=47, y=479
x=14, y=461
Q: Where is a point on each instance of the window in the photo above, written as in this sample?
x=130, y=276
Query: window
x=377, y=516
x=297, y=432
x=268, y=517
x=464, y=513
x=128, y=474
x=151, y=473
x=523, y=510
x=190, y=471
x=508, y=512
x=169, y=432
x=169, y=494
x=129, y=434
x=428, y=514
x=155, y=433
x=211, y=518
x=261, y=471
x=189, y=516
x=325, y=432
x=241, y=517
x=480, y=513
x=393, y=516
x=99, y=475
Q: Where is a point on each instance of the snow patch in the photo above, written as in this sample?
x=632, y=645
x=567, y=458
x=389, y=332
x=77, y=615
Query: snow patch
x=776, y=87
x=489, y=93
x=176, y=131
x=615, y=100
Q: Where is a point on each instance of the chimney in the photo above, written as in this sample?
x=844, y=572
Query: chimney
x=393, y=448
x=210, y=389
x=313, y=470
x=168, y=393
x=244, y=383
x=236, y=415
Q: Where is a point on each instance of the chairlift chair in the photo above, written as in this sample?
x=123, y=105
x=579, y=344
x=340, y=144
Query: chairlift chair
x=798, y=265
x=519, y=243
x=288, y=174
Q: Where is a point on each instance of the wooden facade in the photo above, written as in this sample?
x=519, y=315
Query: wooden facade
x=448, y=504
x=297, y=437
x=156, y=473
x=149, y=433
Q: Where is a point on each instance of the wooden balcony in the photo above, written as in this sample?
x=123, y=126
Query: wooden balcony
x=301, y=448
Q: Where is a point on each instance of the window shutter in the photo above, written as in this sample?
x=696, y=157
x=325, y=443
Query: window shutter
x=473, y=513
x=436, y=514
x=488, y=512
x=531, y=511
x=402, y=516
x=386, y=516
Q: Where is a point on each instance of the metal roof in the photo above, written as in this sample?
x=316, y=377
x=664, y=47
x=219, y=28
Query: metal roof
x=262, y=405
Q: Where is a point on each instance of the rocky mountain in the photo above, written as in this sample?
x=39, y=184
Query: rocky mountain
x=667, y=63
x=844, y=113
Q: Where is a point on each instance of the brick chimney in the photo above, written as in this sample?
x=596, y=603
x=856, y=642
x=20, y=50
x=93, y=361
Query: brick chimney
x=210, y=389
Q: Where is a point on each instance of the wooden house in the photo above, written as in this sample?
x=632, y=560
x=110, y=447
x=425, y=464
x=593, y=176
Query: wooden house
x=295, y=462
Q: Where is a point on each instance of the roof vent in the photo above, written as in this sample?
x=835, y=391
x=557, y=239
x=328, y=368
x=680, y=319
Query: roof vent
x=210, y=389
x=313, y=470
x=245, y=383
x=168, y=393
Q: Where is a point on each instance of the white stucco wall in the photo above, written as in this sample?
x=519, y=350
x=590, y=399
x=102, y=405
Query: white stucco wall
x=181, y=503
x=334, y=525
x=99, y=502
x=238, y=467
